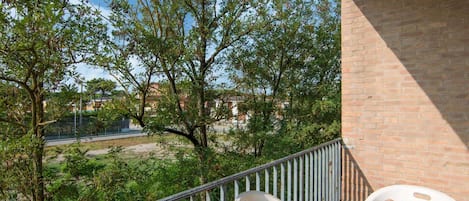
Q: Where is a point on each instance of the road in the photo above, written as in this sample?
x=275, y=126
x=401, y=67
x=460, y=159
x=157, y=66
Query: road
x=94, y=138
x=129, y=134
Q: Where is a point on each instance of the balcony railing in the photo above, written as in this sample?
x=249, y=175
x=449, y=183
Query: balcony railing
x=313, y=174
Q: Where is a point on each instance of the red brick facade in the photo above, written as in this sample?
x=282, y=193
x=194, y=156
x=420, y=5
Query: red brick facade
x=405, y=92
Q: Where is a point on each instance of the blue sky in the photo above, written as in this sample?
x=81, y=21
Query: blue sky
x=90, y=72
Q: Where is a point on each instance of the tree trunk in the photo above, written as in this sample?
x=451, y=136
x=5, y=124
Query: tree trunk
x=38, y=179
x=203, y=168
x=140, y=121
x=141, y=113
x=202, y=115
x=38, y=148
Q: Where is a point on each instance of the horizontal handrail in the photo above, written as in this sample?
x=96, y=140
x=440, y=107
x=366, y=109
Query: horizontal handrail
x=240, y=175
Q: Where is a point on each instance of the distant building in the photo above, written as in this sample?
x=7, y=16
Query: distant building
x=95, y=104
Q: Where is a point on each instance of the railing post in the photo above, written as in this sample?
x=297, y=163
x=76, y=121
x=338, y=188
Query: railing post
x=258, y=182
x=339, y=170
x=301, y=178
x=311, y=175
x=323, y=174
x=316, y=188
x=266, y=179
x=236, y=188
x=289, y=195
x=295, y=179
x=222, y=193
x=207, y=196
x=248, y=183
x=307, y=180
x=275, y=178
x=282, y=182
x=330, y=180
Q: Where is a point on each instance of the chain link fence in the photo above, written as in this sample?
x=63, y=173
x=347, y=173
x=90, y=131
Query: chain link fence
x=87, y=127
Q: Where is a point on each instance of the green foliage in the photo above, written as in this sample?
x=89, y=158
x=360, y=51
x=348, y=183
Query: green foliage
x=284, y=60
x=59, y=104
x=16, y=158
x=41, y=41
x=78, y=165
x=289, y=72
x=100, y=85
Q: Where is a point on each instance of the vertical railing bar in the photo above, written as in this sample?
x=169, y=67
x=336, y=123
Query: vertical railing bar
x=275, y=178
x=295, y=179
x=332, y=172
x=349, y=174
x=323, y=174
x=339, y=170
x=330, y=163
x=301, y=178
x=289, y=186
x=317, y=173
x=191, y=198
x=282, y=181
x=236, y=188
x=258, y=181
x=326, y=173
x=311, y=176
x=306, y=180
x=248, y=183
x=207, y=196
x=267, y=181
x=222, y=193
x=334, y=193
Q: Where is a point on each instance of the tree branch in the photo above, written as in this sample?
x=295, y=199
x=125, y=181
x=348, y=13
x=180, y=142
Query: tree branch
x=191, y=138
x=13, y=122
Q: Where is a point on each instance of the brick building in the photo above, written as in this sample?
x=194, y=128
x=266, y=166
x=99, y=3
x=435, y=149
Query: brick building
x=405, y=93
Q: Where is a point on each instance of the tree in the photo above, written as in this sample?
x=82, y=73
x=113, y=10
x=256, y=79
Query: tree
x=265, y=66
x=135, y=78
x=286, y=66
x=58, y=103
x=184, y=39
x=316, y=102
x=100, y=85
x=41, y=40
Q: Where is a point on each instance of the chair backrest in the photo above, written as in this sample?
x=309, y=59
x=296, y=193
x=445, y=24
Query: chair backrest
x=408, y=193
x=256, y=196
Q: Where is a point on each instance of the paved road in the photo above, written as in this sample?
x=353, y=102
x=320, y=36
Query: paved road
x=129, y=134
x=94, y=138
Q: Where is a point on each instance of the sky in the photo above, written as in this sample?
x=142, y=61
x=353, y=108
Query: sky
x=90, y=72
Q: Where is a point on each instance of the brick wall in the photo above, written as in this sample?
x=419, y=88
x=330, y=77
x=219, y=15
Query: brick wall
x=405, y=92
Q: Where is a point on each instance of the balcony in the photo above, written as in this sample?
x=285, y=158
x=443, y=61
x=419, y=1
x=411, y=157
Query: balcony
x=313, y=174
x=405, y=115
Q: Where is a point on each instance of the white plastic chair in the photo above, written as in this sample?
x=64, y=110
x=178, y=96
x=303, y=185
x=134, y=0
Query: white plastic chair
x=256, y=196
x=408, y=193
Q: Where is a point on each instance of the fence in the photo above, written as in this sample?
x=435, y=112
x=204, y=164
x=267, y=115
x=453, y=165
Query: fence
x=312, y=174
x=70, y=128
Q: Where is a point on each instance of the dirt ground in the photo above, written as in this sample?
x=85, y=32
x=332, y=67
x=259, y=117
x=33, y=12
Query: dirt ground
x=155, y=148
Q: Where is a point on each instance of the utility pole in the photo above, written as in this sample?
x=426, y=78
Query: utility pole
x=81, y=100
x=75, y=119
